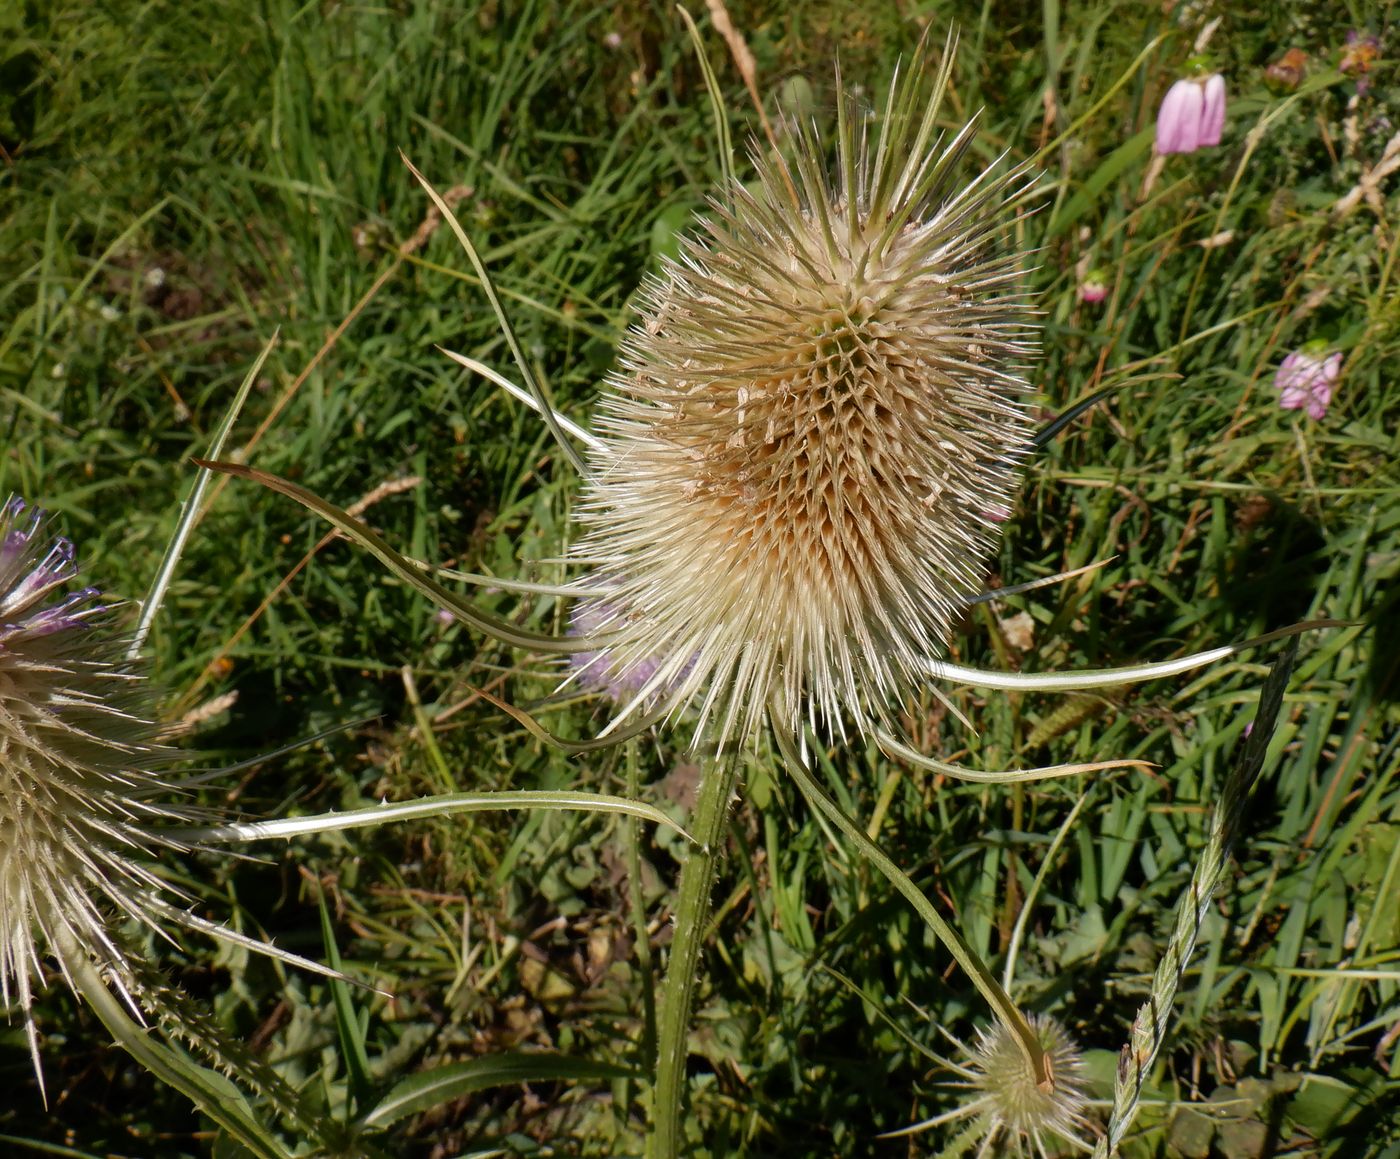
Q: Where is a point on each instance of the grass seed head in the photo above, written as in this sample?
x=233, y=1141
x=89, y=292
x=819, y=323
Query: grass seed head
x=79, y=761
x=820, y=413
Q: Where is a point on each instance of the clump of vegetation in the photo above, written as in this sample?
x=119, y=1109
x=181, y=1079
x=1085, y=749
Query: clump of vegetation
x=1216, y=432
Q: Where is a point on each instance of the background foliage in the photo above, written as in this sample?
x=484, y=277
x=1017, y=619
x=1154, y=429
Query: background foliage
x=177, y=181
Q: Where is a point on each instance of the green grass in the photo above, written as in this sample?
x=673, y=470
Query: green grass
x=252, y=157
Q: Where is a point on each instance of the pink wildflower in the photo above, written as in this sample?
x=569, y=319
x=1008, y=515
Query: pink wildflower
x=1192, y=115
x=1094, y=287
x=1306, y=378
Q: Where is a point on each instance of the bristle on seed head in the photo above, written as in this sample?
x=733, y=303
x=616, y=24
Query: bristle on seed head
x=820, y=411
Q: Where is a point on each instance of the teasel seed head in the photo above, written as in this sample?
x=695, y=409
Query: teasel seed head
x=821, y=404
x=80, y=774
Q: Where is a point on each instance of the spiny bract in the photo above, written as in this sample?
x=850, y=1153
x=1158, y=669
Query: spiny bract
x=817, y=427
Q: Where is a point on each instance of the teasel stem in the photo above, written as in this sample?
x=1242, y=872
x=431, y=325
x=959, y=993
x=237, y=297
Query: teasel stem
x=982, y=978
x=211, y=1092
x=718, y=780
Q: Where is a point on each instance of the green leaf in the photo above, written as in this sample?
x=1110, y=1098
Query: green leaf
x=348, y=1026
x=431, y=1088
x=443, y=805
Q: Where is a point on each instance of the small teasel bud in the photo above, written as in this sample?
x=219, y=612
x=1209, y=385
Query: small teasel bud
x=1017, y=1111
x=1009, y=1110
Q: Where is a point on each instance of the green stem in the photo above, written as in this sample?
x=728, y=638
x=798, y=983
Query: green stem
x=966, y=957
x=692, y=905
x=212, y=1093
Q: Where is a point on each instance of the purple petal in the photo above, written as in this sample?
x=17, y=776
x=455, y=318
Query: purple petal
x=15, y=541
x=1213, y=111
x=58, y=566
x=1179, y=119
x=68, y=613
x=1287, y=371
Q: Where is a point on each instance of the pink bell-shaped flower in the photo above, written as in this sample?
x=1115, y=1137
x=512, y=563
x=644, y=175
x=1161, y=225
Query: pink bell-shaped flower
x=1192, y=115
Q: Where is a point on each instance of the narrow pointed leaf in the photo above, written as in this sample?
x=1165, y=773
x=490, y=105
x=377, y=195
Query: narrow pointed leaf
x=421, y=1092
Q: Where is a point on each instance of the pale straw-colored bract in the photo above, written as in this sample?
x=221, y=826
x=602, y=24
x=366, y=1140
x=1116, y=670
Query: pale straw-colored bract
x=82, y=797
x=798, y=471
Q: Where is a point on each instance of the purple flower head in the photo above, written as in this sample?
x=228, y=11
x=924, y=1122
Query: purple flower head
x=81, y=779
x=86, y=802
x=30, y=571
x=1192, y=115
x=621, y=679
x=1306, y=378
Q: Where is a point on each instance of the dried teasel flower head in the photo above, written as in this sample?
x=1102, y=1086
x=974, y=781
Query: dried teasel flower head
x=822, y=403
x=80, y=782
